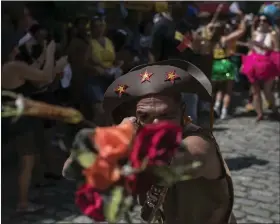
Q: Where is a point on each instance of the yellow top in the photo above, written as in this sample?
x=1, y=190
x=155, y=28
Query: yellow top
x=161, y=7
x=104, y=54
x=219, y=52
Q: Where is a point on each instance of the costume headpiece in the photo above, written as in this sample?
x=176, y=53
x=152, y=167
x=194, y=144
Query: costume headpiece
x=168, y=77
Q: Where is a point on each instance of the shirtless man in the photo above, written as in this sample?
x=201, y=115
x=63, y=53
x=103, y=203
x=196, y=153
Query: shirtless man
x=150, y=93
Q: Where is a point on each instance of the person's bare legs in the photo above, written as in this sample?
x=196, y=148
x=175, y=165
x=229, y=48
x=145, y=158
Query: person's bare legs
x=249, y=106
x=27, y=154
x=218, y=100
x=227, y=98
x=257, y=100
x=269, y=94
x=27, y=163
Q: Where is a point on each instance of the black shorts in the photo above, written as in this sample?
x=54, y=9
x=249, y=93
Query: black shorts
x=29, y=130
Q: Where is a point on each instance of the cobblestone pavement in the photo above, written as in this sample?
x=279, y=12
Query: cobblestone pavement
x=251, y=151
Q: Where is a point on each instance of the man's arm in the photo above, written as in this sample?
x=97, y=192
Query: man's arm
x=204, y=151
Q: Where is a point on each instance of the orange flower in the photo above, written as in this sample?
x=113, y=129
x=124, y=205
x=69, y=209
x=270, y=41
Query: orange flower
x=113, y=143
x=102, y=174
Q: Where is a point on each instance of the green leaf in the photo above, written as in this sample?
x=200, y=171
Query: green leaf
x=85, y=159
x=169, y=175
x=112, y=208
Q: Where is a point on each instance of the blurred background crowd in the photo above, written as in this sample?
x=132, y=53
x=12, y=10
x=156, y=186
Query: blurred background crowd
x=68, y=53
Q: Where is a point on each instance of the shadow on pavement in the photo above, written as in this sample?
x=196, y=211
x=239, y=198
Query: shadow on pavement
x=217, y=129
x=240, y=163
x=245, y=114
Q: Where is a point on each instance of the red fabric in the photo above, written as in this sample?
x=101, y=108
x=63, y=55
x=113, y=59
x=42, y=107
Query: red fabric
x=185, y=43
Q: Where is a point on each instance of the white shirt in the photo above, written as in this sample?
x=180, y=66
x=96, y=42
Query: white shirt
x=24, y=39
x=67, y=76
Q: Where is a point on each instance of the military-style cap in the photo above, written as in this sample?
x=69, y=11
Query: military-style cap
x=168, y=77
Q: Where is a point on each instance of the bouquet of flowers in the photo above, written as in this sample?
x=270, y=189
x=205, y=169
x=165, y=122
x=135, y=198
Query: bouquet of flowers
x=114, y=164
x=122, y=164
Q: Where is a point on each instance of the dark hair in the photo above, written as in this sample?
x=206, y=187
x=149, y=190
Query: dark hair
x=268, y=18
x=14, y=11
x=143, y=24
x=97, y=17
x=35, y=28
x=80, y=19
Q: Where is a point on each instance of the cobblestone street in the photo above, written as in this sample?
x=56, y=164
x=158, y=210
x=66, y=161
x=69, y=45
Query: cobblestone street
x=251, y=151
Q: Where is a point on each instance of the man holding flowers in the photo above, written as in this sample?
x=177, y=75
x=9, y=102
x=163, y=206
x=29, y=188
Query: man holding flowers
x=157, y=154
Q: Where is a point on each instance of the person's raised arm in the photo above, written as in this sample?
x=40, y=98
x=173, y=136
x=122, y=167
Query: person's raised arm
x=275, y=40
x=28, y=72
x=41, y=59
x=235, y=35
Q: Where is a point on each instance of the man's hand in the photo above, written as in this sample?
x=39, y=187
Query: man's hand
x=131, y=119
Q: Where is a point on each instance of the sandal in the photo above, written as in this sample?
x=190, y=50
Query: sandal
x=31, y=207
x=259, y=118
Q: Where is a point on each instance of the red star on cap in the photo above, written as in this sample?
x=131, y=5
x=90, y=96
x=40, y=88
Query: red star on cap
x=146, y=76
x=121, y=89
x=172, y=76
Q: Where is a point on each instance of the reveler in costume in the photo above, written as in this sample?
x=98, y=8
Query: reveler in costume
x=224, y=71
x=22, y=76
x=204, y=40
x=258, y=66
x=172, y=38
x=149, y=93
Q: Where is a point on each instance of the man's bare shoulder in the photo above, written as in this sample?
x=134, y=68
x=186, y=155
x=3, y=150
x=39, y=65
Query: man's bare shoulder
x=204, y=150
x=198, y=145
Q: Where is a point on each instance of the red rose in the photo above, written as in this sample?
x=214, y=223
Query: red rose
x=90, y=202
x=156, y=142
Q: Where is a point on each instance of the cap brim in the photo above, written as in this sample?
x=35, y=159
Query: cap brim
x=190, y=79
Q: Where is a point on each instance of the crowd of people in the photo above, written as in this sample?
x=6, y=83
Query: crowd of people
x=239, y=49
